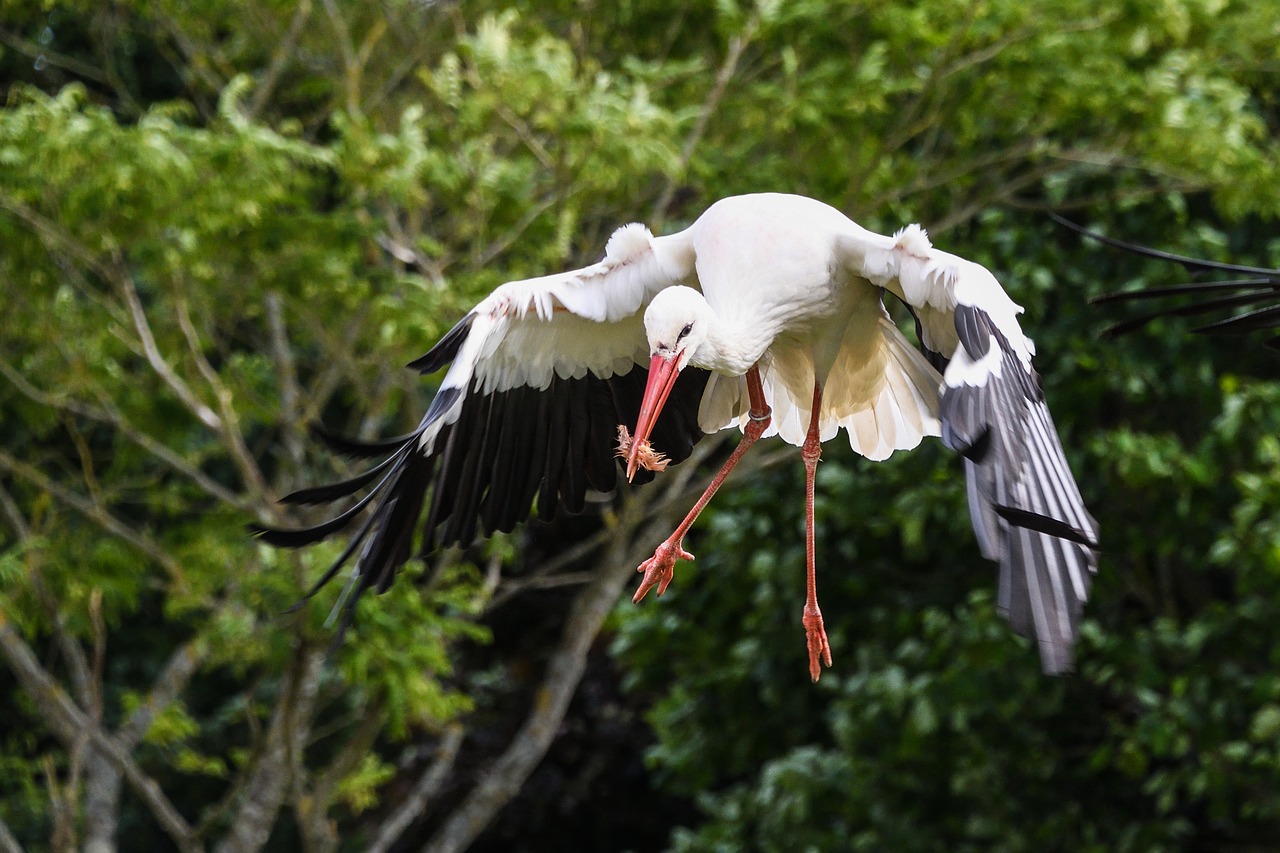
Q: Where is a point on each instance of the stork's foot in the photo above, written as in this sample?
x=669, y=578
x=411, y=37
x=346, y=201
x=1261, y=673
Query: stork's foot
x=660, y=568
x=816, y=637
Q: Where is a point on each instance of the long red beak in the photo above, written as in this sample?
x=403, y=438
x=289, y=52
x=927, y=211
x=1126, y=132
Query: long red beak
x=663, y=373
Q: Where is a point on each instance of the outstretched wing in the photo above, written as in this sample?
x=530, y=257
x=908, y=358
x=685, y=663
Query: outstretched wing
x=1254, y=288
x=541, y=373
x=1026, y=509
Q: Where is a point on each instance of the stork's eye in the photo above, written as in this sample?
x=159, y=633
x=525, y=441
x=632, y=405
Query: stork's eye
x=685, y=331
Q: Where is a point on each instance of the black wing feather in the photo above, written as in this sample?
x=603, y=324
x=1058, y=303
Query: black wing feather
x=485, y=470
x=1193, y=264
x=1251, y=321
x=573, y=485
x=446, y=349
x=1133, y=324
x=1260, y=285
x=332, y=491
x=556, y=412
x=357, y=449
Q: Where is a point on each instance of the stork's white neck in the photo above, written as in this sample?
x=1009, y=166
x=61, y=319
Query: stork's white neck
x=732, y=346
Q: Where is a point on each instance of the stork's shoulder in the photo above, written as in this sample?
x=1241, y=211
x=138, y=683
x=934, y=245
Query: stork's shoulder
x=635, y=266
x=909, y=265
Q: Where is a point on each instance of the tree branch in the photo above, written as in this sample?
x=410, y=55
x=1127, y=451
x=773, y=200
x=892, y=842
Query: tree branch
x=350, y=63
x=92, y=512
x=115, y=420
x=77, y=663
x=8, y=843
x=286, y=736
x=311, y=806
x=37, y=52
x=70, y=724
x=101, y=779
x=114, y=271
x=177, y=672
x=281, y=55
x=290, y=394
x=228, y=428
x=508, y=773
x=424, y=791
x=737, y=45
x=163, y=369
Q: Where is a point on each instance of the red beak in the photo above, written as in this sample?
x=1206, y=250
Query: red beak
x=663, y=373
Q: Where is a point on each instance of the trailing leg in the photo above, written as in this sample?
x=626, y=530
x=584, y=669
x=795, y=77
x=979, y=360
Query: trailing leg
x=815, y=633
x=659, y=569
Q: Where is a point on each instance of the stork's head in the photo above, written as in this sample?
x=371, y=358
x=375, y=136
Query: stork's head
x=677, y=324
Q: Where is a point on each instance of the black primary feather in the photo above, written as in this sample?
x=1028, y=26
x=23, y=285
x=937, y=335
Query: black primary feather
x=508, y=454
x=1258, y=286
x=446, y=349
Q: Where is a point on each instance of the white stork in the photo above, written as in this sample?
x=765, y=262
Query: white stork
x=766, y=314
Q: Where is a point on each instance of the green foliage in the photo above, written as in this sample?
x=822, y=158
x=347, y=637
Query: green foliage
x=222, y=222
x=359, y=790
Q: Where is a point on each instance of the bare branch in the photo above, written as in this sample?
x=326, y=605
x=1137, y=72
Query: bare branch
x=527, y=136
x=371, y=38
x=91, y=511
x=335, y=343
x=112, y=418
x=279, y=57
x=114, y=271
x=541, y=581
x=358, y=744
x=107, y=25
x=69, y=724
x=228, y=428
x=311, y=806
x=38, y=53
x=724, y=76
x=163, y=369
x=350, y=63
x=270, y=779
x=77, y=663
x=62, y=801
x=1006, y=188
x=501, y=244
x=543, y=576
x=101, y=806
x=8, y=843
x=198, y=62
x=290, y=394
x=509, y=772
x=13, y=514
x=425, y=790
x=99, y=655
x=177, y=672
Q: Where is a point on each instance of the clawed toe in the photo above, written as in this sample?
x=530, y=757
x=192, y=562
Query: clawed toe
x=816, y=639
x=660, y=569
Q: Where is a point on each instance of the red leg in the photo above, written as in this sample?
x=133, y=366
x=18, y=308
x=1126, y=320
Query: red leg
x=659, y=568
x=815, y=634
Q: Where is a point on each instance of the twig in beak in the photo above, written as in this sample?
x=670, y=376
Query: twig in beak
x=648, y=458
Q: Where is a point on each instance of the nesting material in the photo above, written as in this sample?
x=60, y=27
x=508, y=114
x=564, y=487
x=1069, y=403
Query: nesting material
x=648, y=458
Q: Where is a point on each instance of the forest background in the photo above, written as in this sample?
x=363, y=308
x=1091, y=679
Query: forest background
x=222, y=222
